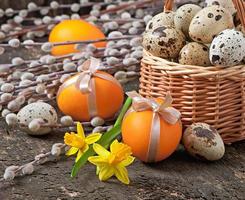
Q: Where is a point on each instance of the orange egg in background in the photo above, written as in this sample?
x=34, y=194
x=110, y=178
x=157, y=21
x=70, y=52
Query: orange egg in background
x=136, y=130
x=74, y=30
x=109, y=99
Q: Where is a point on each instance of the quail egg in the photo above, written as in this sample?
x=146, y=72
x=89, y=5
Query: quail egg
x=240, y=28
x=203, y=142
x=228, y=4
x=38, y=110
x=164, y=41
x=161, y=19
x=194, y=54
x=209, y=22
x=228, y=48
x=184, y=15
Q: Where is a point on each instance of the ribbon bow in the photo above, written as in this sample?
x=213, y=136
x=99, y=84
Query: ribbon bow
x=168, y=113
x=89, y=69
x=160, y=110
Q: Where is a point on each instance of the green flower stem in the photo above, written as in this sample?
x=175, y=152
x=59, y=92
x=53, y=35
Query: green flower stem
x=125, y=108
x=105, y=140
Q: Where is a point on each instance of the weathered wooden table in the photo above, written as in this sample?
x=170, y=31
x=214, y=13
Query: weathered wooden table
x=179, y=177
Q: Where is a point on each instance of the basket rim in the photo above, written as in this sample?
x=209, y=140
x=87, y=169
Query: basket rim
x=174, y=68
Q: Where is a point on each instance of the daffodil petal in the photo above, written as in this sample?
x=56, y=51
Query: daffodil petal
x=100, y=150
x=97, y=170
x=120, y=149
x=80, y=131
x=122, y=174
x=106, y=172
x=71, y=151
x=129, y=160
x=85, y=148
x=92, y=138
x=74, y=140
x=114, y=146
x=67, y=138
x=97, y=160
x=79, y=155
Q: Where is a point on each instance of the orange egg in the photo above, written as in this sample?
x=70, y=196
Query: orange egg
x=74, y=30
x=109, y=99
x=136, y=130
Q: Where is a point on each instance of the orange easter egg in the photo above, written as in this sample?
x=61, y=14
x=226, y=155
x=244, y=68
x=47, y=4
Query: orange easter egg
x=74, y=30
x=136, y=132
x=108, y=99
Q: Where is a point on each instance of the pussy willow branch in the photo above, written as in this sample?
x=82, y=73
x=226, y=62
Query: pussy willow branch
x=63, y=6
x=38, y=160
x=76, y=42
x=137, y=4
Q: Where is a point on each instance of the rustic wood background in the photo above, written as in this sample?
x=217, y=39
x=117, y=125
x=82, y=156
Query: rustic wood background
x=179, y=177
x=20, y=4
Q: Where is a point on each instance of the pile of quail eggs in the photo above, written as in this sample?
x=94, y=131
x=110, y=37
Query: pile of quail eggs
x=193, y=35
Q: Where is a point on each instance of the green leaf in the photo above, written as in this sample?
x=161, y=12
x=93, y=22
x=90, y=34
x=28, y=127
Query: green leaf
x=105, y=140
x=82, y=161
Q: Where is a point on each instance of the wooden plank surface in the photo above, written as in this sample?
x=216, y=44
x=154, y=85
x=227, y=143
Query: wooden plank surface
x=179, y=177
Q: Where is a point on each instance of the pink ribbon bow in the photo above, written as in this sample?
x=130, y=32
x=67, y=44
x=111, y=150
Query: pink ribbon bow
x=89, y=69
x=160, y=110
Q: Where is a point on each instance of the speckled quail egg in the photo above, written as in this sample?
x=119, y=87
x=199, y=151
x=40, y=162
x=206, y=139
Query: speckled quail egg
x=194, y=54
x=161, y=19
x=164, y=42
x=209, y=22
x=203, y=142
x=184, y=15
x=38, y=110
x=228, y=48
x=240, y=28
x=228, y=4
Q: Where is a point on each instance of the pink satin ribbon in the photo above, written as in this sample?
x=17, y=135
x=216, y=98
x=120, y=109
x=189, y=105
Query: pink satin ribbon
x=86, y=84
x=163, y=110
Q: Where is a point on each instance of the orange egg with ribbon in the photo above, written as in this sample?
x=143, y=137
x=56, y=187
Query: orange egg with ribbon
x=74, y=30
x=152, y=128
x=90, y=93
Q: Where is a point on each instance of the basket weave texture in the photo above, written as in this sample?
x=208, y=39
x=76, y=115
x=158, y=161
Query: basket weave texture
x=213, y=95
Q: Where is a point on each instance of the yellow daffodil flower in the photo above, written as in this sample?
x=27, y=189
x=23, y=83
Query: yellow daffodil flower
x=78, y=142
x=112, y=162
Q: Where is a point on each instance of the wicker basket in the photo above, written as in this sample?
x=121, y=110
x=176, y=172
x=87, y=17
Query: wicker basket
x=214, y=95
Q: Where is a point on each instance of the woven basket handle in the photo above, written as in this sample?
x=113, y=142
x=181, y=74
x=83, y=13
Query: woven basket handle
x=240, y=6
x=168, y=5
